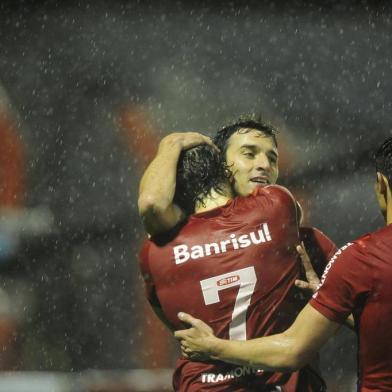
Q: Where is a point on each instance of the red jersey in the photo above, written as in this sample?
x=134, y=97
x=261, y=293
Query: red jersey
x=319, y=247
x=358, y=280
x=234, y=267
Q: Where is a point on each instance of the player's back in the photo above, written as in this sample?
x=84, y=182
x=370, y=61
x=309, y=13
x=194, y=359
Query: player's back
x=374, y=311
x=358, y=280
x=233, y=267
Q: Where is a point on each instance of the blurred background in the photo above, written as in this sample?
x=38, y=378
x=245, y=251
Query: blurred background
x=87, y=90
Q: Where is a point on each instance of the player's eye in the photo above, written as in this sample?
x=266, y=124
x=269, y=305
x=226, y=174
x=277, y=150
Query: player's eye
x=273, y=158
x=248, y=154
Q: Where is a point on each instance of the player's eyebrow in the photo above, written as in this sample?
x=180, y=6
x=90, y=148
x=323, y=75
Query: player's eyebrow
x=248, y=147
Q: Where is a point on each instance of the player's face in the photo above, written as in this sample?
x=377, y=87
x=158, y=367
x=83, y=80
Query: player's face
x=253, y=160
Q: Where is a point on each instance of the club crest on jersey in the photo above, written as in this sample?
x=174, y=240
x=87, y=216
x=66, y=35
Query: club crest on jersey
x=183, y=253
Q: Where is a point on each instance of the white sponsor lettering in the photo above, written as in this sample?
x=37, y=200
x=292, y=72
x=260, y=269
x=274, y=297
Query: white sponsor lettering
x=183, y=253
x=330, y=264
x=234, y=373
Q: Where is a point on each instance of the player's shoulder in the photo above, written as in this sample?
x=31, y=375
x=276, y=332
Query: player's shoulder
x=274, y=192
x=359, y=245
x=375, y=236
x=354, y=250
x=367, y=242
x=363, y=241
x=274, y=200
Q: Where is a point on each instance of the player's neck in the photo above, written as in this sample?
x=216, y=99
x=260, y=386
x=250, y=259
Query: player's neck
x=214, y=200
x=389, y=214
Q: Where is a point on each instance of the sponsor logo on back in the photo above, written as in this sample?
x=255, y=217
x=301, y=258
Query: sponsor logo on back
x=183, y=252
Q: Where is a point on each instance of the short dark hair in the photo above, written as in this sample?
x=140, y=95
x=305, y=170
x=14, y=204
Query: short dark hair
x=199, y=170
x=246, y=123
x=383, y=159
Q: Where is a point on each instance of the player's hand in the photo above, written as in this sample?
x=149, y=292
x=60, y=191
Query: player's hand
x=197, y=341
x=312, y=280
x=186, y=140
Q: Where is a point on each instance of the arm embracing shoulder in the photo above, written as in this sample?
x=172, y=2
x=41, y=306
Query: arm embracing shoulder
x=285, y=352
x=158, y=184
x=157, y=188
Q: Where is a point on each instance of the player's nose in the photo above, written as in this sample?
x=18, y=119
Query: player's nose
x=262, y=162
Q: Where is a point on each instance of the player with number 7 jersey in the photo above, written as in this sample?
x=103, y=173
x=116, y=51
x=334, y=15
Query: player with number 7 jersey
x=234, y=267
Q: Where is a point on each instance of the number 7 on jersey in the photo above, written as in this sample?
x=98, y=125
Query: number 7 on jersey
x=246, y=279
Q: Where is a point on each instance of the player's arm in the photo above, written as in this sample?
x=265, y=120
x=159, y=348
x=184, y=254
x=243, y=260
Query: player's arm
x=158, y=184
x=287, y=351
x=312, y=281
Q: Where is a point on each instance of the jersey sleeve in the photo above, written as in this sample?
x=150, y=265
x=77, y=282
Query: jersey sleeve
x=319, y=247
x=346, y=280
x=147, y=276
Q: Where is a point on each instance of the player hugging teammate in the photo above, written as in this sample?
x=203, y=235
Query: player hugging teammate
x=223, y=248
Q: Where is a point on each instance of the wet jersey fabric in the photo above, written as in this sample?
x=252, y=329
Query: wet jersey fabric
x=319, y=247
x=234, y=267
x=358, y=280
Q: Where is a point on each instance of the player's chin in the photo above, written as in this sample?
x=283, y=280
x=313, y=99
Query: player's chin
x=254, y=185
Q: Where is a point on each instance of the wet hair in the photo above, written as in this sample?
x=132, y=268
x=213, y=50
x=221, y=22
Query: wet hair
x=243, y=125
x=383, y=158
x=199, y=170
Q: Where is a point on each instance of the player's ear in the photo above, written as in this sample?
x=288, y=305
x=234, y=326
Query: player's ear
x=381, y=184
x=300, y=213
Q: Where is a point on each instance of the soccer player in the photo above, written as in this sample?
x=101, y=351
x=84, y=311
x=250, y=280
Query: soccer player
x=357, y=280
x=251, y=152
x=250, y=148
x=234, y=263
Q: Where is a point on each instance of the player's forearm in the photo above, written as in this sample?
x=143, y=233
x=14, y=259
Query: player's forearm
x=276, y=352
x=157, y=189
x=289, y=350
x=158, y=184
